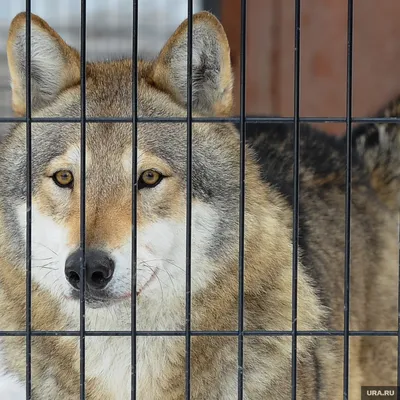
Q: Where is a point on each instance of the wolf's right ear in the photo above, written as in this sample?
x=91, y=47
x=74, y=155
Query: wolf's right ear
x=212, y=78
x=55, y=66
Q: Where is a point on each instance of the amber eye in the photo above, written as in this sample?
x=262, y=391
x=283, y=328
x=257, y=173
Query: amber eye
x=149, y=178
x=63, y=178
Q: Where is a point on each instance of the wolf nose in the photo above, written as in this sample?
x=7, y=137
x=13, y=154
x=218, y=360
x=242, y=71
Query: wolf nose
x=99, y=269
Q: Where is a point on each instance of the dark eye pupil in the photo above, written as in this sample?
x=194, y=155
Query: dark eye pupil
x=149, y=178
x=63, y=178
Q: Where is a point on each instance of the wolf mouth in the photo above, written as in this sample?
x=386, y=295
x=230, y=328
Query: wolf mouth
x=98, y=300
x=104, y=298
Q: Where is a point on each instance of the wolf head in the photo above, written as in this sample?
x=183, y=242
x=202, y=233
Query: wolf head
x=161, y=166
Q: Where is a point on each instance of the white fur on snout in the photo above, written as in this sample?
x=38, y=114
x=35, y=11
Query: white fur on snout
x=161, y=249
x=49, y=250
x=160, y=306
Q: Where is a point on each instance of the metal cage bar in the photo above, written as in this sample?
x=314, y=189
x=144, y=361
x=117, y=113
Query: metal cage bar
x=398, y=307
x=188, y=299
x=271, y=120
x=332, y=333
x=242, y=198
x=349, y=100
x=28, y=114
x=134, y=197
x=82, y=208
x=296, y=187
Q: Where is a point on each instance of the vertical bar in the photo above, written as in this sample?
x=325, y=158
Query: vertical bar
x=398, y=304
x=83, y=201
x=134, y=198
x=28, y=115
x=296, y=165
x=189, y=200
x=242, y=193
x=349, y=88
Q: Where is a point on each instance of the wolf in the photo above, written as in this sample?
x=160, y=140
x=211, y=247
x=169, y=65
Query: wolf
x=160, y=271
x=375, y=150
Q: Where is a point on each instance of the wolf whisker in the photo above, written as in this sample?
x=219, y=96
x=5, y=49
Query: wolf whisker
x=158, y=279
x=50, y=269
x=45, y=265
x=41, y=259
x=173, y=264
x=46, y=247
x=169, y=276
x=166, y=260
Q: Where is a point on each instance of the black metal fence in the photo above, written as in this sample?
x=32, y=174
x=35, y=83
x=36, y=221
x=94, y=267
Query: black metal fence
x=240, y=333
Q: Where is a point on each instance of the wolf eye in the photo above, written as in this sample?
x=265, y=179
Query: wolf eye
x=149, y=178
x=63, y=178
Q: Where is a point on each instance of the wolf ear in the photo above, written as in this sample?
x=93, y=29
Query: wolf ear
x=211, y=66
x=54, y=64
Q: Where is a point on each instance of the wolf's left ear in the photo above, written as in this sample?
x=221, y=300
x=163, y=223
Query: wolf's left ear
x=211, y=66
x=54, y=64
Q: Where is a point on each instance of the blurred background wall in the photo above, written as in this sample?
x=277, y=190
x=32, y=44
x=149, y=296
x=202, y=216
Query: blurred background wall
x=270, y=41
x=270, y=61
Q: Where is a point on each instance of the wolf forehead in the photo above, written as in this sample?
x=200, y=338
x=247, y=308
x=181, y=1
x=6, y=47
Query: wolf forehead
x=215, y=147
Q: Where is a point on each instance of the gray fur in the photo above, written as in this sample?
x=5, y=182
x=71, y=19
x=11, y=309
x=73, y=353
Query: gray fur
x=206, y=69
